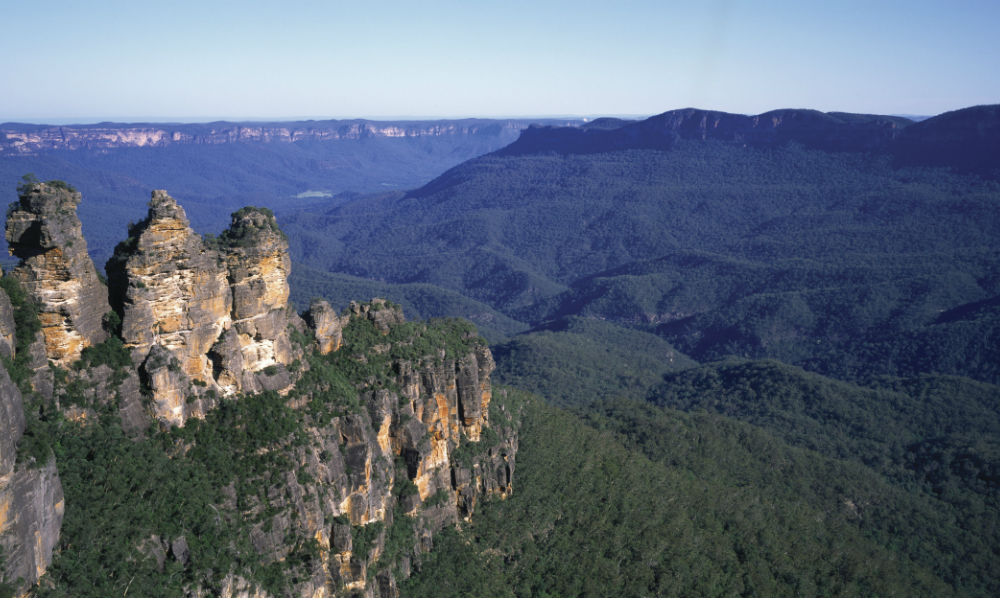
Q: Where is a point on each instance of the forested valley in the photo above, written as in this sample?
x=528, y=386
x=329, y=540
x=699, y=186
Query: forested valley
x=741, y=362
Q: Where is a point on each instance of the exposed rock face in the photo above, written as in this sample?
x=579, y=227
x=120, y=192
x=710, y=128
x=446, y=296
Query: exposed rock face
x=6, y=325
x=380, y=312
x=173, y=294
x=31, y=513
x=402, y=447
x=30, y=139
x=327, y=325
x=11, y=422
x=404, y=455
x=203, y=320
x=176, y=292
x=45, y=233
x=258, y=269
x=31, y=499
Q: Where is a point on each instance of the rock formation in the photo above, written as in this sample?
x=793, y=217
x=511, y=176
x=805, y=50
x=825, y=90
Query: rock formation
x=203, y=319
x=31, y=499
x=258, y=268
x=45, y=233
x=404, y=454
x=173, y=294
x=392, y=430
x=327, y=325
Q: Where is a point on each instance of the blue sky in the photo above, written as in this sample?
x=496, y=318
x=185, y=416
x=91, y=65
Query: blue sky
x=186, y=61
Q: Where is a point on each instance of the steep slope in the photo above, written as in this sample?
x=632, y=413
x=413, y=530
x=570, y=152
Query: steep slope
x=45, y=233
x=661, y=503
x=213, y=445
x=783, y=252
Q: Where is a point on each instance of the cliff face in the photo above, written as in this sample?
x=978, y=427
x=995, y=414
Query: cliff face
x=258, y=267
x=405, y=465
x=203, y=320
x=384, y=431
x=45, y=233
x=31, y=498
x=16, y=139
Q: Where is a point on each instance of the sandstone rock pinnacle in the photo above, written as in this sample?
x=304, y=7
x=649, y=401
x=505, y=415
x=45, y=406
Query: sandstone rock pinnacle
x=44, y=231
x=203, y=315
x=327, y=325
x=258, y=267
x=171, y=292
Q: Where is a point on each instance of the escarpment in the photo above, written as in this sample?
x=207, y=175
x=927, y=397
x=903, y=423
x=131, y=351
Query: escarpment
x=403, y=456
x=31, y=497
x=44, y=231
x=323, y=454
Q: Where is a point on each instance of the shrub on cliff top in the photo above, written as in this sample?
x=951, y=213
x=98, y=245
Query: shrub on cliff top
x=242, y=230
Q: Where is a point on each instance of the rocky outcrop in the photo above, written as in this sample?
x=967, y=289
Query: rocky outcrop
x=173, y=294
x=7, y=326
x=326, y=325
x=258, y=268
x=203, y=319
x=31, y=499
x=404, y=465
x=389, y=439
x=382, y=313
x=44, y=231
x=175, y=290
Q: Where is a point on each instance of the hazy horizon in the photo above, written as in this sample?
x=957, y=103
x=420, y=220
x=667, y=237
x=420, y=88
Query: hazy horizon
x=77, y=63
x=84, y=121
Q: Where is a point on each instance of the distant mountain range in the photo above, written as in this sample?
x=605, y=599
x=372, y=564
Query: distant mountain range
x=774, y=340
x=216, y=168
x=965, y=139
x=22, y=139
x=724, y=234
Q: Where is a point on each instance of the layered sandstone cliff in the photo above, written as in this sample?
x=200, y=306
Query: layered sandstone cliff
x=258, y=266
x=31, y=498
x=203, y=320
x=28, y=139
x=45, y=233
x=403, y=465
x=396, y=432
